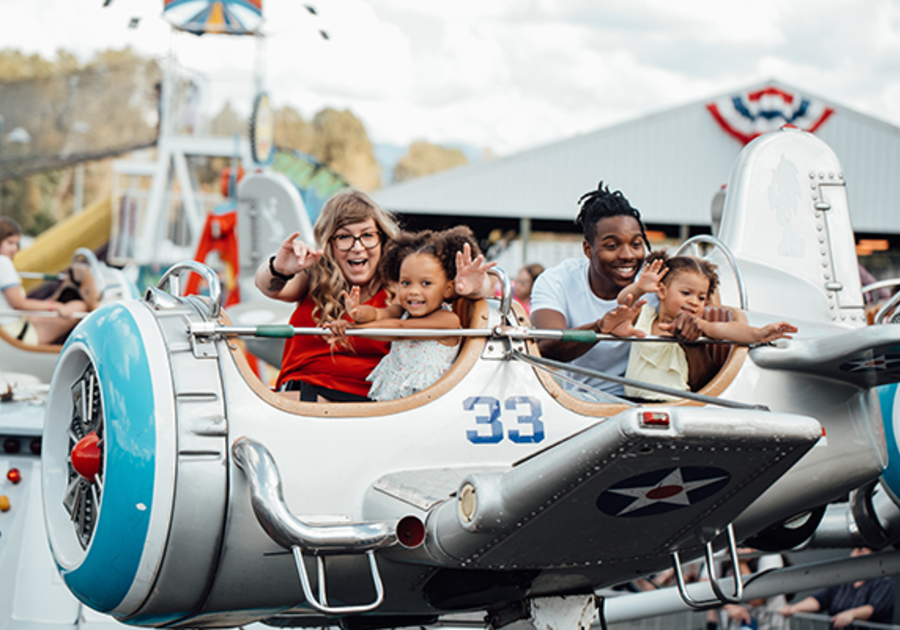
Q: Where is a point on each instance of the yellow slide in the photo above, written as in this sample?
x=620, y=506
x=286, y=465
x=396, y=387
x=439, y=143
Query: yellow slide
x=52, y=249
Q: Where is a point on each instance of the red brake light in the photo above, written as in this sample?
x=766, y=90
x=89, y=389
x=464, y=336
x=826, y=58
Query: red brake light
x=654, y=419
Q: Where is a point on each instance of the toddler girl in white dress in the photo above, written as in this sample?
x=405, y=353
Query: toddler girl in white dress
x=420, y=268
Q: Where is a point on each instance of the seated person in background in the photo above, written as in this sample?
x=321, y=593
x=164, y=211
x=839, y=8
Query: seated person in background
x=420, y=268
x=523, y=283
x=34, y=329
x=683, y=285
x=870, y=600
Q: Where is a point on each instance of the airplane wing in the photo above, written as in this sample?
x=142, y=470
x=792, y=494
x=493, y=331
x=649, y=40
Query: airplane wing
x=866, y=357
x=625, y=492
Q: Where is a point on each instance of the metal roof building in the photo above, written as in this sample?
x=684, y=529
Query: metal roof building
x=669, y=164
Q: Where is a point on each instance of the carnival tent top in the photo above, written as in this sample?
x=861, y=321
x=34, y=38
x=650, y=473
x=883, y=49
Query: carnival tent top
x=231, y=17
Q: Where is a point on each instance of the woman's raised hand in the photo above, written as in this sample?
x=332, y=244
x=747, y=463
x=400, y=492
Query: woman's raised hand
x=295, y=256
x=471, y=274
x=351, y=302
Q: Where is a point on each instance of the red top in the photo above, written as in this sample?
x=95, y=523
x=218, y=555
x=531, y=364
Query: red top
x=313, y=360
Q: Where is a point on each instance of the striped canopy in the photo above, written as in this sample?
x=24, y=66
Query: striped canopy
x=232, y=17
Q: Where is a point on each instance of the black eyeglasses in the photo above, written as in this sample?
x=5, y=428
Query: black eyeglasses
x=345, y=242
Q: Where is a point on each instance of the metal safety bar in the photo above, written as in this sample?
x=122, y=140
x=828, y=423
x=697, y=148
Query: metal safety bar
x=721, y=597
x=577, y=369
x=286, y=331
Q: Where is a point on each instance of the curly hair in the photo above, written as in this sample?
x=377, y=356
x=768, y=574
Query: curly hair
x=679, y=264
x=326, y=282
x=602, y=203
x=442, y=245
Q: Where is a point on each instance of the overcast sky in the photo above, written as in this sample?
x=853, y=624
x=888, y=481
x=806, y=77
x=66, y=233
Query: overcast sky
x=503, y=74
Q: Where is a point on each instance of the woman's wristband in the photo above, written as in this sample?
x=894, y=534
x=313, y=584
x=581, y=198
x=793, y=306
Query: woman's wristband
x=275, y=273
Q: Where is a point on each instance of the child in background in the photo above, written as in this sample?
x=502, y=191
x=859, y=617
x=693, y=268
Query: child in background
x=683, y=285
x=420, y=267
x=30, y=330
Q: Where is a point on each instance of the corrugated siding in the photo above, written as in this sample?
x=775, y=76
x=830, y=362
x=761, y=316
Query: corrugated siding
x=669, y=164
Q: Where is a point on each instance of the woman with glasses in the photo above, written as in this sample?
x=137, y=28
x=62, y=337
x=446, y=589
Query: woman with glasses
x=351, y=231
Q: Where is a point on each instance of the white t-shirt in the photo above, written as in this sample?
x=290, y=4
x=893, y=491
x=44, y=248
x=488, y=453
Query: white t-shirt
x=9, y=278
x=566, y=289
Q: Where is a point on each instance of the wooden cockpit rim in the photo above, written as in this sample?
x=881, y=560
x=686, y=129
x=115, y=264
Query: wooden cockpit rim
x=471, y=350
x=469, y=354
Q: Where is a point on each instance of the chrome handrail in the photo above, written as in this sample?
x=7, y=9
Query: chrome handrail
x=267, y=500
x=506, y=292
x=692, y=242
x=172, y=279
x=287, y=530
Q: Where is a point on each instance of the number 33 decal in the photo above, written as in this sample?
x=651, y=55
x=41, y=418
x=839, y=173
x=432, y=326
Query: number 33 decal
x=530, y=428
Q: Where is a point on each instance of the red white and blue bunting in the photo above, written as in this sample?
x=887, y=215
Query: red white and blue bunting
x=753, y=113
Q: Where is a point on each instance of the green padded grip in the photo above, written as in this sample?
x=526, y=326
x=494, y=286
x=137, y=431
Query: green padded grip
x=279, y=331
x=581, y=336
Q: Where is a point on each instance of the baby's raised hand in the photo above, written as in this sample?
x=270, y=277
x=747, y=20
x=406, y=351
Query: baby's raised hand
x=778, y=330
x=651, y=276
x=351, y=302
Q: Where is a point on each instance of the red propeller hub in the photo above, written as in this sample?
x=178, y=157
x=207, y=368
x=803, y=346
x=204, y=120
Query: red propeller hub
x=86, y=456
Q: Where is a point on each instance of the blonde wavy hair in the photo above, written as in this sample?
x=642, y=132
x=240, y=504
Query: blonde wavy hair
x=326, y=282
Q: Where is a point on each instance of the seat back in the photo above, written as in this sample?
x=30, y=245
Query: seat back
x=719, y=352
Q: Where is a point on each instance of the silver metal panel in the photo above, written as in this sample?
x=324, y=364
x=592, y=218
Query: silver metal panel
x=608, y=482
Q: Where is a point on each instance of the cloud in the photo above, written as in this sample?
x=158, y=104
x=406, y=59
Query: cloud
x=506, y=74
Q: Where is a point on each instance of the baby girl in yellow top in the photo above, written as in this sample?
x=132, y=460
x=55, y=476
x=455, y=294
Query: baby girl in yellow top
x=684, y=285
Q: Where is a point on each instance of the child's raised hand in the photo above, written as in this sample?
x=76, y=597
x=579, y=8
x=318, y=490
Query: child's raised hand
x=470, y=273
x=351, y=302
x=778, y=330
x=651, y=276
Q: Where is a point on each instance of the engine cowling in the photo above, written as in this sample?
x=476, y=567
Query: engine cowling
x=155, y=504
